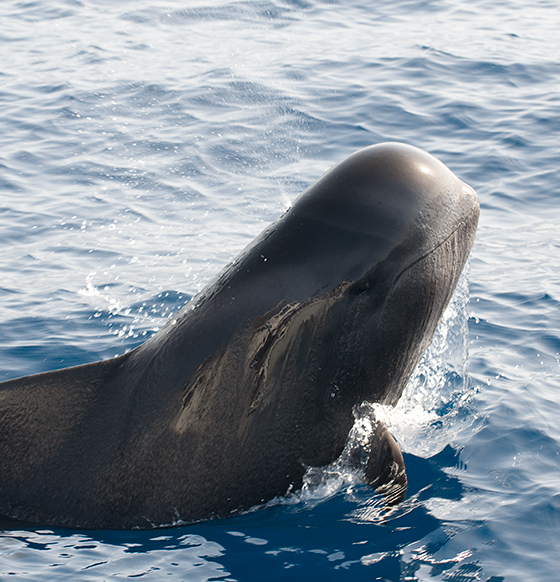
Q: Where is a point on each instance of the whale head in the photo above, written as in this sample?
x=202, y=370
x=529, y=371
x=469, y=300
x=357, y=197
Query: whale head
x=337, y=301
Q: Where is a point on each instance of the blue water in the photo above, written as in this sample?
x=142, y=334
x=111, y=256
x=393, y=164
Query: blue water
x=144, y=143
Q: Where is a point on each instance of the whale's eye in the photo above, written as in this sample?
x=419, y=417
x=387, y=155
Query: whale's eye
x=360, y=287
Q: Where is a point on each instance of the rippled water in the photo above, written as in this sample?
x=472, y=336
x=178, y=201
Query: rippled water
x=144, y=144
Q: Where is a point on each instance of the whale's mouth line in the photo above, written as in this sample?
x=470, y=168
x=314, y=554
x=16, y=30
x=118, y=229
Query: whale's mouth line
x=459, y=227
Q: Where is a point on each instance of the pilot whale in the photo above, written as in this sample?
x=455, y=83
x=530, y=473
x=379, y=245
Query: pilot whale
x=255, y=380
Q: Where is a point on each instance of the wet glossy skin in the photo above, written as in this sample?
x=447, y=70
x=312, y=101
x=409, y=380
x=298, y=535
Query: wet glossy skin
x=225, y=407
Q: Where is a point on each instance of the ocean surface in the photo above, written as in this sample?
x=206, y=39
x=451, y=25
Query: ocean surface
x=144, y=143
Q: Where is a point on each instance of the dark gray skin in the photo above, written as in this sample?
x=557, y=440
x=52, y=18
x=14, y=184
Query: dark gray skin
x=227, y=406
